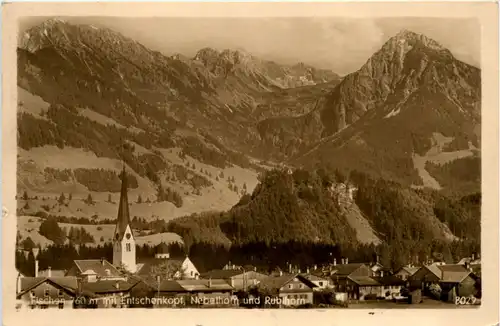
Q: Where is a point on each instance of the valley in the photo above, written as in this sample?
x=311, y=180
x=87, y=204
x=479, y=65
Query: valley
x=227, y=149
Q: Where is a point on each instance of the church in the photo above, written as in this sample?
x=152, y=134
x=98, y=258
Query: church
x=124, y=253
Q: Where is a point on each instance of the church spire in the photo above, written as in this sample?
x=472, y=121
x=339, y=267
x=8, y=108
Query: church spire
x=123, y=219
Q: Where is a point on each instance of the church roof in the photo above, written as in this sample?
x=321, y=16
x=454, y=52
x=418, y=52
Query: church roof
x=123, y=219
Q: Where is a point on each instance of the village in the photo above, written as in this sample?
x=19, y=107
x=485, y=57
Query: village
x=126, y=283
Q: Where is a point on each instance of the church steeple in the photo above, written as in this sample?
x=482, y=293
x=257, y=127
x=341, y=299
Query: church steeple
x=123, y=240
x=123, y=219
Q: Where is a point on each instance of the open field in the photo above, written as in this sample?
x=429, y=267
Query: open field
x=28, y=226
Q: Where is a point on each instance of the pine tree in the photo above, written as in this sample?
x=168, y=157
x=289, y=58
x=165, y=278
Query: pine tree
x=61, y=199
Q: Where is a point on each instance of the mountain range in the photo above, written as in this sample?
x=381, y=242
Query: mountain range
x=195, y=133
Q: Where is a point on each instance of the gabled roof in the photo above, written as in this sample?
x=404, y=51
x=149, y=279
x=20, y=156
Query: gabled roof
x=123, y=219
x=69, y=283
x=98, y=266
x=221, y=273
x=453, y=273
x=275, y=283
x=101, y=287
x=313, y=277
x=345, y=269
x=205, y=285
x=364, y=280
x=389, y=280
x=434, y=269
x=410, y=270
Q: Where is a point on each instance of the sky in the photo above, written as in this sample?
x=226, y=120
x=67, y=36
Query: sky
x=340, y=44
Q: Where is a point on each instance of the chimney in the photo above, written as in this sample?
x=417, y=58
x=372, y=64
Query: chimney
x=18, y=286
x=117, y=285
x=472, y=257
x=290, y=268
x=210, y=282
x=255, y=269
x=315, y=267
x=281, y=272
x=102, y=261
x=381, y=273
x=35, y=255
x=49, y=271
x=307, y=270
x=334, y=261
x=347, y=260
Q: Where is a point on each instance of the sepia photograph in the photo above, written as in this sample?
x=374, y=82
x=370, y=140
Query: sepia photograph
x=330, y=163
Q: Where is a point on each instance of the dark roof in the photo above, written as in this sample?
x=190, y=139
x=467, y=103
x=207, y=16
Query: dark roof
x=123, y=219
x=389, y=280
x=150, y=264
x=452, y=268
x=162, y=248
x=107, y=286
x=69, y=283
x=205, y=285
x=98, y=266
x=221, y=273
x=453, y=273
x=171, y=286
x=364, y=280
x=346, y=269
x=313, y=277
x=274, y=283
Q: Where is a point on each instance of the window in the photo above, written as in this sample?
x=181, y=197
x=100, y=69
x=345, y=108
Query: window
x=290, y=286
x=61, y=293
x=191, y=273
x=61, y=305
x=295, y=296
x=301, y=286
x=32, y=293
x=128, y=247
x=320, y=283
x=46, y=293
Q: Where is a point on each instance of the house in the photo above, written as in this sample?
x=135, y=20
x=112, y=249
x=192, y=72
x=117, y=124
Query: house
x=238, y=279
x=340, y=273
x=451, y=277
x=322, y=283
x=406, y=271
x=211, y=292
x=363, y=288
x=374, y=287
x=457, y=280
x=391, y=286
x=180, y=268
x=44, y=292
x=110, y=293
x=151, y=293
x=92, y=270
x=286, y=290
